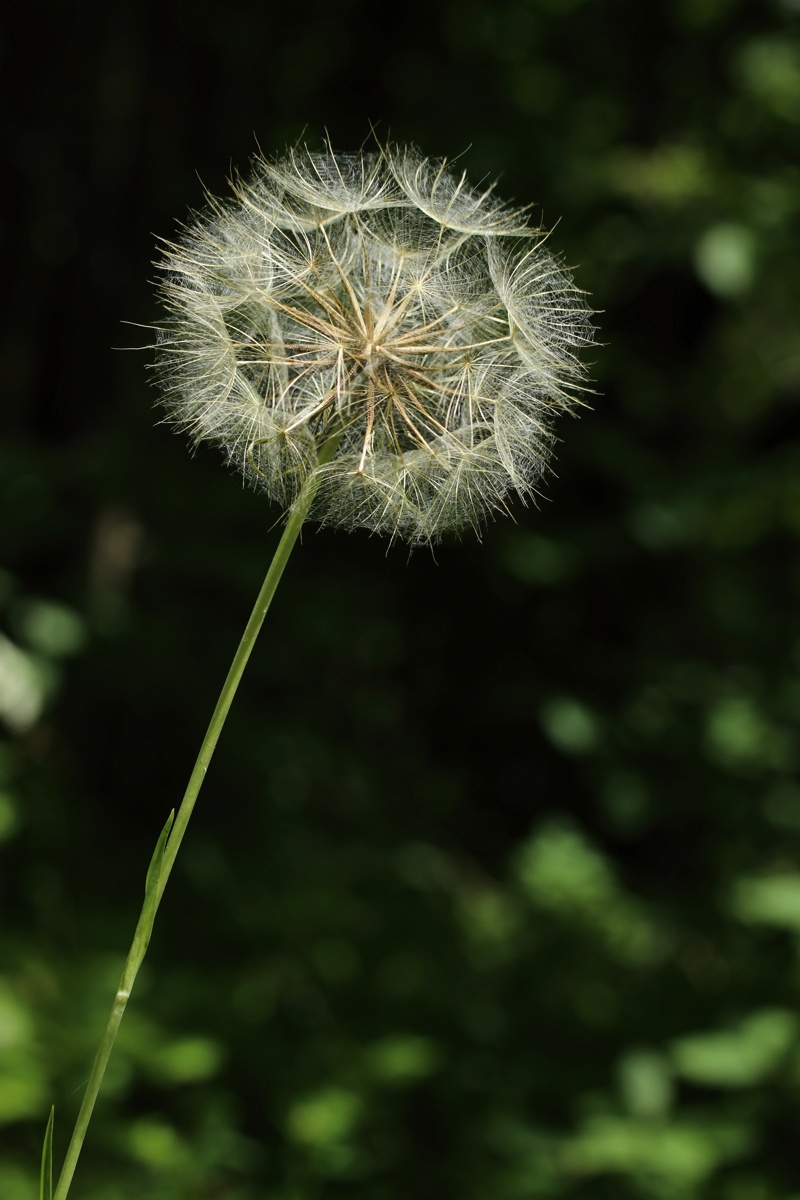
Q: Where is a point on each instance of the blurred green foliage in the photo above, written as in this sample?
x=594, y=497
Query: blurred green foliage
x=494, y=886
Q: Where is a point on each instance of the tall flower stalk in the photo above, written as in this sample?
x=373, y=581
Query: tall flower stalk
x=169, y=843
x=373, y=343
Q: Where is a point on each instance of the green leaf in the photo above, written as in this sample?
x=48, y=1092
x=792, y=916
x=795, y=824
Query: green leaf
x=144, y=926
x=740, y=1057
x=46, y=1184
x=148, y=914
x=154, y=870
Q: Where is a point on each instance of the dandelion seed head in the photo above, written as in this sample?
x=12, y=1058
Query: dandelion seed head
x=380, y=299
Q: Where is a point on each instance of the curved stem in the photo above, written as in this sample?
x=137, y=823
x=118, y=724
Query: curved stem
x=167, y=850
x=294, y=524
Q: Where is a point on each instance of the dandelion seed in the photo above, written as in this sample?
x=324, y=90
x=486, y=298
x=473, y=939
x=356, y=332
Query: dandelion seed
x=378, y=298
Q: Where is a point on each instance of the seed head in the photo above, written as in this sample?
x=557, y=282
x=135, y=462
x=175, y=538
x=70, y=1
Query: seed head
x=379, y=299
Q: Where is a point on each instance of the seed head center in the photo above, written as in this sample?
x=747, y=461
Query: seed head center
x=372, y=356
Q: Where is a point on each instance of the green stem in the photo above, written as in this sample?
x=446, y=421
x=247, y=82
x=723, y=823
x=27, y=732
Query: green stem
x=165, y=855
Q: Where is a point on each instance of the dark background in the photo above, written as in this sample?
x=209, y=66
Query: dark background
x=493, y=890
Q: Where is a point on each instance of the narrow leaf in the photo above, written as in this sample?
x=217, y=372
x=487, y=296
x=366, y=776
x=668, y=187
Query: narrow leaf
x=46, y=1183
x=154, y=870
x=144, y=928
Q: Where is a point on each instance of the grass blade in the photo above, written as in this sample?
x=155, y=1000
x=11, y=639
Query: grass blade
x=46, y=1183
